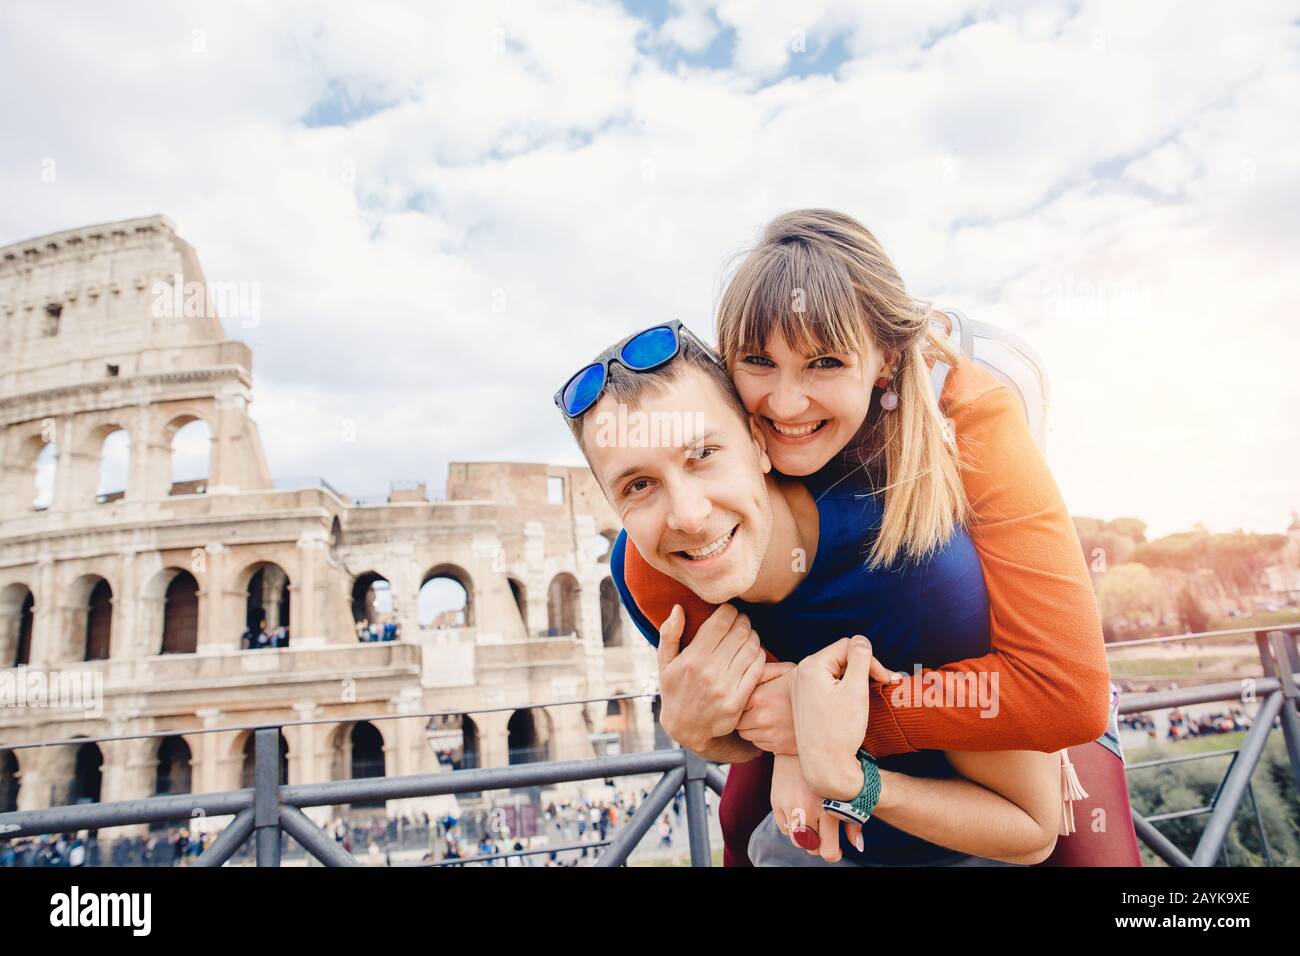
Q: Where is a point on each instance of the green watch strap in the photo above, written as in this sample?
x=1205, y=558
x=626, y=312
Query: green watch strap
x=869, y=795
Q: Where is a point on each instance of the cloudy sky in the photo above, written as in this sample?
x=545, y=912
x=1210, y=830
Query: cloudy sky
x=447, y=208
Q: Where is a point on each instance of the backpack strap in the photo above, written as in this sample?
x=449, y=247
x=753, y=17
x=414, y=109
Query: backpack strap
x=965, y=335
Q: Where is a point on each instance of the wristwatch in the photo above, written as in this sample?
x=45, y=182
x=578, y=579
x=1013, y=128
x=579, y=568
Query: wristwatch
x=858, y=810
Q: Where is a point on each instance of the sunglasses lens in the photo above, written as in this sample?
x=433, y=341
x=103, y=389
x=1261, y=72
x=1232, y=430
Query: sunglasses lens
x=652, y=347
x=583, y=389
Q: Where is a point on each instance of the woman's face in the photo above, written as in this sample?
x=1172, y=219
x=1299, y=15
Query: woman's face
x=808, y=406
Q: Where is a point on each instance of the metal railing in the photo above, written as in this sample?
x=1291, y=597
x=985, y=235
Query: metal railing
x=269, y=808
x=1276, y=691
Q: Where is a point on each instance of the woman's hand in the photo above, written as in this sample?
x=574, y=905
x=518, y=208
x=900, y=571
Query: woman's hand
x=830, y=700
x=797, y=809
x=768, y=720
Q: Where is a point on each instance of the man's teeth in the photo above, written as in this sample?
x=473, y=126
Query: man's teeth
x=796, y=431
x=697, y=554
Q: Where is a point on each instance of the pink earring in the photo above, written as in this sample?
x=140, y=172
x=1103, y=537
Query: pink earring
x=888, y=401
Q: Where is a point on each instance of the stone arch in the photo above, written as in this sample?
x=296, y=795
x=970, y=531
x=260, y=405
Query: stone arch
x=246, y=746
x=446, y=597
x=611, y=618
x=372, y=597
x=46, y=468
x=180, y=630
x=10, y=781
x=562, y=605
x=17, y=614
x=358, y=751
x=87, y=775
x=266, y=588
x=529, y=736
x=609, y=535
x=109, y=448
x=174, y=770
x=189, y=438
x=519, y=591
x=91, y=618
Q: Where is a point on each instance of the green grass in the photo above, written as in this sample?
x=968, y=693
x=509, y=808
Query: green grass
x=1185, y=666
x=1179, y=748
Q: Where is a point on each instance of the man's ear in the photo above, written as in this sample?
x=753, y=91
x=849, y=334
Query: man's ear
x=760, y=440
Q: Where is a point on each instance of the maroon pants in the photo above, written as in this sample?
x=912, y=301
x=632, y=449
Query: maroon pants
x=1099, y=839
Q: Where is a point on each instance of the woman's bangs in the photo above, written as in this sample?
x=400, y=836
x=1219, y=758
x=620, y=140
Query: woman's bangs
x=789, y=296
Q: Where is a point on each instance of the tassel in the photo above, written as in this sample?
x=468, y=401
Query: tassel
x=1071, y=790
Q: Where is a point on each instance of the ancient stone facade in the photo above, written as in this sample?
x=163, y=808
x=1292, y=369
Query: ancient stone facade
x=149, y=591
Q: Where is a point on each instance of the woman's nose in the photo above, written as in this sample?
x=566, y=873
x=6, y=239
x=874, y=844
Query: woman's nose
x=788, y=401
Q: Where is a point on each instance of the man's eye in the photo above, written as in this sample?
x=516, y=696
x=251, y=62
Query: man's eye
x=826, y=361
x=635, y=487
x=701, y=453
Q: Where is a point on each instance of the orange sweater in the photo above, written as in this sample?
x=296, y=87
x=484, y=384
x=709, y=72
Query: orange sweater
x=1044, y=629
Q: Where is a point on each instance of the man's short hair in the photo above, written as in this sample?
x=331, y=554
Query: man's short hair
x=633, y=388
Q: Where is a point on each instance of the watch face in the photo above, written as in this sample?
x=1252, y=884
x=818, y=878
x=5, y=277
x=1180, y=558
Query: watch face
x=843, y=810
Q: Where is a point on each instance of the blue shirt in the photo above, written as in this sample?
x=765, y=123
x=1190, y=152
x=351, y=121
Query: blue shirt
x=929, y=612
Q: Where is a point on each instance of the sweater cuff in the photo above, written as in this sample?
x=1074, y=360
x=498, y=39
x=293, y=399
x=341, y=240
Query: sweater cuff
x=884, y=735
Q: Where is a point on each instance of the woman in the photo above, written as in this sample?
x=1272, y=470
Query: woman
x=832, y=356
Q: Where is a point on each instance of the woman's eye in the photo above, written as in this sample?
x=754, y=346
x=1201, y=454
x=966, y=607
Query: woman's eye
x=827, y=361
x=762, y=361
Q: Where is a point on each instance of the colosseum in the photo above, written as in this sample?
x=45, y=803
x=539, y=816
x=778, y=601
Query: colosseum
x=226, y=598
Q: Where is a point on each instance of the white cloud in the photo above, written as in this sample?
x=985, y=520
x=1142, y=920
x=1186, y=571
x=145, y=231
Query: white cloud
x=512, y=186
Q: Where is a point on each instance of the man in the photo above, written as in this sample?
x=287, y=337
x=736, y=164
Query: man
x=704, y=508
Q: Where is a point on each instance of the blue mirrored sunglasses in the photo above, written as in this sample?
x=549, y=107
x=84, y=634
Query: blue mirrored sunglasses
x=639, y=352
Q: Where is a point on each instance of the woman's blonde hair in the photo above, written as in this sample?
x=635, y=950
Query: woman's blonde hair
x=822, y=281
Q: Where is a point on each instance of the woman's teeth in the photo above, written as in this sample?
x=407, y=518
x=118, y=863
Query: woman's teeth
x=699, y=554
x=796, y=431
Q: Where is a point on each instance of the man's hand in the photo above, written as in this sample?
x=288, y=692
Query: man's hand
x=705, y=687
x=768, y=721
x=831, y=703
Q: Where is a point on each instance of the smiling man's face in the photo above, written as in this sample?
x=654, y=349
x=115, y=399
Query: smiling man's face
x=696, y=506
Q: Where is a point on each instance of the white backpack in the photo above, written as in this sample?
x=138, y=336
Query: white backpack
x=1009, y=359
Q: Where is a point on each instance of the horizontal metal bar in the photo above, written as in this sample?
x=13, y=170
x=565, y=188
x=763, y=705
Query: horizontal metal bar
x=1198, y=636
x=457, y=861
x=1164, y=761
x=1202, y=694
x=473, y=781
x=1179, y=814
x=94, y=816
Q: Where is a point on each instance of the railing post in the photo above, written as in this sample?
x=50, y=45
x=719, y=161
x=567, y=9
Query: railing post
x=697, y=819
x=266, y=795
x=1276, y=655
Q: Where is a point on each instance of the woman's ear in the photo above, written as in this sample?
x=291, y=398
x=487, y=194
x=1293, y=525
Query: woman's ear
x=760, y=441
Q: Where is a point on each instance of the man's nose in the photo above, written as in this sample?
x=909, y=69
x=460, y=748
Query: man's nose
x=689, y=509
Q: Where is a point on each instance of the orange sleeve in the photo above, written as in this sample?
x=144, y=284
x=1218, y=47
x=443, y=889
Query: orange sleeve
x=1045, y=635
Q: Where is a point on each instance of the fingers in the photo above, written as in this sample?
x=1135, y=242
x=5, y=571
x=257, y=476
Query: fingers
x=828, y=831
x=857, y=671
x=775, y=669
x=718, y=626
x=670, y=635
x=881, y=673
x=854, y=832
x=831, y=659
